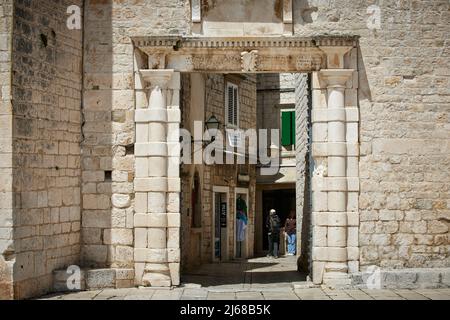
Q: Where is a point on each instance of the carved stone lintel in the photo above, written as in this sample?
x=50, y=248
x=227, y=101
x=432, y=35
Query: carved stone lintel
x=244, y=54
x=249, y=61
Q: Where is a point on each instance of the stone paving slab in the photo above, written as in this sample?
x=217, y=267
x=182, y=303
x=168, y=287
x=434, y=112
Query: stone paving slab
x=249, y=295
x=302, y=294
x=358, y=294
x=221, y=296
x=270, y=295
x=256, y=279
x=410, y=295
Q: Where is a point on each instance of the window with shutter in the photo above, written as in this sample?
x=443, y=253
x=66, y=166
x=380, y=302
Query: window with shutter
x=232, y=104
x=287, y=128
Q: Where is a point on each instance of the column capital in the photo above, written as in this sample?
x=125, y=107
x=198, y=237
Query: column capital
x=157, y=77
x=335, y=56
x=335, y=77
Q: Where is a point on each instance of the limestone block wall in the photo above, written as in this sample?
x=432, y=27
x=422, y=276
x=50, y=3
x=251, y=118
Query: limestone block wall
x=403, y=99
x=109, y=132
x=6, y=209
x=46, y=172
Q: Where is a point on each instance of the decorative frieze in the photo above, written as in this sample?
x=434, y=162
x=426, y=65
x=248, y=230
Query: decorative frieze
x=175, y=43
x=244, y=54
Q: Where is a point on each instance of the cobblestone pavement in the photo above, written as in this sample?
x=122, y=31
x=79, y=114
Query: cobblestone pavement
x=255, y=279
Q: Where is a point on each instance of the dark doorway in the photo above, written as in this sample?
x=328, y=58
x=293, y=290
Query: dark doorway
x=283, y=201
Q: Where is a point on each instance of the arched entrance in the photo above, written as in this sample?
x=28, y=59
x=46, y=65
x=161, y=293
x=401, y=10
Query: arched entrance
x=335, y=149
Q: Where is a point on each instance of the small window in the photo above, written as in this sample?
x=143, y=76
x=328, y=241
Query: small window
x=232, y=105
x=288, y=128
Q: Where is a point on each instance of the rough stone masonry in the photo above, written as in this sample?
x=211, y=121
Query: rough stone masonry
x=67, y=130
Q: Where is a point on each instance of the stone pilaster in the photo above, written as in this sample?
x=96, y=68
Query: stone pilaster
x=157, y=183
x=333, y=179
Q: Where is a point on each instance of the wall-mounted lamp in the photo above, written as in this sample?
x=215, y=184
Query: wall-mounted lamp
x=211, y=125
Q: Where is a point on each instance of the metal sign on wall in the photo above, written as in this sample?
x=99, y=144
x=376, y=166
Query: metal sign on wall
x=223, y=214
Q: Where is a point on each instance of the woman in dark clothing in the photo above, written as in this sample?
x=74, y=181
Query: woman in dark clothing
x=273, y=225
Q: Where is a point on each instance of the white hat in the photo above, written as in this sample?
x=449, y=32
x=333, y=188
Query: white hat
x=272, y=211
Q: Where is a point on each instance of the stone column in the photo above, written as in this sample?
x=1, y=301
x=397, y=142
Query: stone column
x=330, y=181
x=157, y=183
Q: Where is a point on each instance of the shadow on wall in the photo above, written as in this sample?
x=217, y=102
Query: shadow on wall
x=47, y=82
x=102, y=152
x=245, y=11
x=306, y=12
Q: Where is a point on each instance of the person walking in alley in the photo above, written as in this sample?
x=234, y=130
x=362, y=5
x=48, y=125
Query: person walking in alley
x=273, y=225
x=290, y=229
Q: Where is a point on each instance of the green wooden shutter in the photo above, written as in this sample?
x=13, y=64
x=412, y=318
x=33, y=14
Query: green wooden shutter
x=292, y=127
x=286, y=123
x=287, y=128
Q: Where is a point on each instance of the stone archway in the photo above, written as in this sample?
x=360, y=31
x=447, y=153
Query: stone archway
x=335, y=148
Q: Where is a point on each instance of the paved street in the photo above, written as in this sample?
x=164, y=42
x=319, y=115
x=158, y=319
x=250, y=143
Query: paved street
x=255, y=279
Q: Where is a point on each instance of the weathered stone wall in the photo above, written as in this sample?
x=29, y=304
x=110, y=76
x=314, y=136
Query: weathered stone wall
x=404, y=125
x=6, y=211
x=109, y=103
x=46, y=93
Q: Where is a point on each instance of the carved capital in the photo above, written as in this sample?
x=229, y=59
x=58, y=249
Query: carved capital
x=334, y=78
x=335, y=56
x=157, y=78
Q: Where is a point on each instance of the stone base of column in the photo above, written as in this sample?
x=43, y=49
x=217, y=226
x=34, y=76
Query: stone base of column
x=337, y=280
x=336, y=275
x=156, y=275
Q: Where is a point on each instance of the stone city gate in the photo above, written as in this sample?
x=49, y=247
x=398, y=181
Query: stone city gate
x=335, y=148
